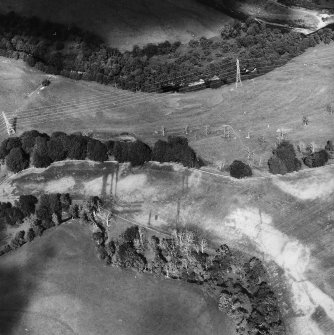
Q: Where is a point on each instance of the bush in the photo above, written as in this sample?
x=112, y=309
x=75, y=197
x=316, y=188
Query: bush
x=277, y=166
x=110, y=248
x=316, y=159
x=8, y=144
x=27, y=204
x=98, y=238
x=28, y=139
x=56, y=148
x=76, y=147
x=30, y=234
x=131, y=234
x=329, y=146
x=44, y=211
x=38, y=230
x=66, y=201
x=137, y=153
x=17, y=160
x=286, y=152
x=240, y=170
x=18, y=240
x=284, y=159
x=9, y=214
x=130, y=258
x=176, y=150
x=55, y=205
x=40, y=155
x=97, y=151
x=101, y=252
x=46, y=82
x=110, y=147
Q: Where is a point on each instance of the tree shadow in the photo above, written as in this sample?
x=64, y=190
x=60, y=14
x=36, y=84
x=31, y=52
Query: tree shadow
x=17, y=286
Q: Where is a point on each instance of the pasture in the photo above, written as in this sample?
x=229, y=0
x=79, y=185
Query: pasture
x=277, y=100
x=57, y=285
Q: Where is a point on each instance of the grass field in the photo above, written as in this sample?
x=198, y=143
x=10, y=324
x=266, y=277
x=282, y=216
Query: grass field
x=279, y=99
x=57, y=285
x=125, y=23
x=288, y=220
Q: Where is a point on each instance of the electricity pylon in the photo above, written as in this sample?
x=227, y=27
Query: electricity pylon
x=9, y=126
x=238, y=78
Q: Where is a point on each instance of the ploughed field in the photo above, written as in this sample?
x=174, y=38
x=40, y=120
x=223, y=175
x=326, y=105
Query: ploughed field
x=57, y=285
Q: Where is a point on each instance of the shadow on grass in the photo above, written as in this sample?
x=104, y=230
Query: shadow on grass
x=17, y=285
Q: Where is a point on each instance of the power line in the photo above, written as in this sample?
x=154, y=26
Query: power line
x=135, y=98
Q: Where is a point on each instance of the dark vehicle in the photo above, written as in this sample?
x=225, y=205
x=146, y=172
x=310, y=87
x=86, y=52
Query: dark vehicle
x=170, y=88
x=214, y=82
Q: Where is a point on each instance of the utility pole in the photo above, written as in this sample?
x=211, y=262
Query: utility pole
x=238, y=78
x=9, y=126
x=207, y=130
x=163, y=131
x=226, y=132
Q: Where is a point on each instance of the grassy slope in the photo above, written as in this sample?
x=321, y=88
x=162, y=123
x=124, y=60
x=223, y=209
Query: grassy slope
x=58, y=286
x=279, y=99
x=126, y=23
x=285, y=219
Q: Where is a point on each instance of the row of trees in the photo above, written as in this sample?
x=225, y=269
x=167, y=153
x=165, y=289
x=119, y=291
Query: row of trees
x=40, y=150
x=71, y=52
x=38, y=214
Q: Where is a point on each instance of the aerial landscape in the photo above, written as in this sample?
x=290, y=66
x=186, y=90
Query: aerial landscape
x=167, y=167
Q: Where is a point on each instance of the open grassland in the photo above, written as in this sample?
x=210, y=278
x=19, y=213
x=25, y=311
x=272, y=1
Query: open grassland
x=126, y=23
x=288, y=220
x=279, y=99
x=57, y=285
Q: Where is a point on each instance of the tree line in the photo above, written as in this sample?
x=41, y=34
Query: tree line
x=40, y=150
x=77, y=54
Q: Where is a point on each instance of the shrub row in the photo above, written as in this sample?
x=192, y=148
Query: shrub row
x=40, y=150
